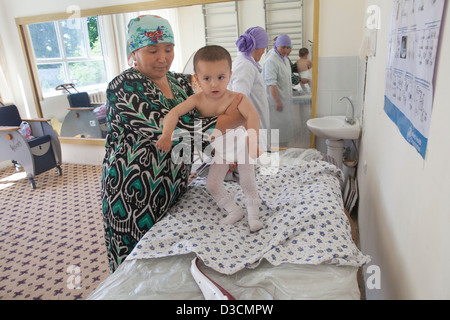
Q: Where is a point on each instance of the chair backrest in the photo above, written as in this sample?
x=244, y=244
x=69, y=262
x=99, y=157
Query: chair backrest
x=9, y=116
x=79, y=100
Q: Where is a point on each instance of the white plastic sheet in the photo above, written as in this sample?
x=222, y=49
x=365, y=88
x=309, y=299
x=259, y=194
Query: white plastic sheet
x=170, y=278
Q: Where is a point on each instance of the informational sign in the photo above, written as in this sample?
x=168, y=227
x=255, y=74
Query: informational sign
x=412, y=47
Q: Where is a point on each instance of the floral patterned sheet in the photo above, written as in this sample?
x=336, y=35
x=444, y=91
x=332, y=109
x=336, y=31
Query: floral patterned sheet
x=302, y=211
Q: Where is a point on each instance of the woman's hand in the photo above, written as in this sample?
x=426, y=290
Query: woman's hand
x=279, y=106
x=232, y=118
x=164, y=143
x=276, y=98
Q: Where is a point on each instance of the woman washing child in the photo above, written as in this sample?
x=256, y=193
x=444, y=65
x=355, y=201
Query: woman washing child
x=278, y=80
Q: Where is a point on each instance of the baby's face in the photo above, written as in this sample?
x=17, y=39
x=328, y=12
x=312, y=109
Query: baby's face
x=213, y=77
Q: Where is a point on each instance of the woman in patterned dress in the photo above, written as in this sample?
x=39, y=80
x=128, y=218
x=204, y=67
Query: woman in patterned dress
x=140, y=182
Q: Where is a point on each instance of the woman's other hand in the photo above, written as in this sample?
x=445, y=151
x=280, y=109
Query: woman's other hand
x=164, y=143
x=232, y=118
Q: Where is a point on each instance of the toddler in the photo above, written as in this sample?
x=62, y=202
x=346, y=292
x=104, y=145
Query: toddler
x=304, y=66
x=212, y=67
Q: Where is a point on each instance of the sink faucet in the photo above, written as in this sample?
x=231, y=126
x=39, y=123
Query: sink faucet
x=347, y=119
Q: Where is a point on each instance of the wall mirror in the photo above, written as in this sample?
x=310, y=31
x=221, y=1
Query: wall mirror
x=85, y=45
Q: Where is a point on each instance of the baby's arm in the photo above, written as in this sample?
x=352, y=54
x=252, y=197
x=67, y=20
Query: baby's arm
x=170, y=121
x=249, y=112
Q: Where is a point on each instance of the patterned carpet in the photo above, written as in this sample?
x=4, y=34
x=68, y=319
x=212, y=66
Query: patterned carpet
x=51, y=238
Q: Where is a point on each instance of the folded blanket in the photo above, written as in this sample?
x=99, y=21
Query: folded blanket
x=302, y=211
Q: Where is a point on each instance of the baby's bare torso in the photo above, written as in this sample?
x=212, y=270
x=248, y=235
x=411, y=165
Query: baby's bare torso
x=214, y=107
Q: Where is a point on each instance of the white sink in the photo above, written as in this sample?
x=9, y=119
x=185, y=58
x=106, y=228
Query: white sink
x=334, y=128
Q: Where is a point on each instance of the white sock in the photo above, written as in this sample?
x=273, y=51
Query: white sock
x=234, y=212
x=253, y=215
x=224, y=199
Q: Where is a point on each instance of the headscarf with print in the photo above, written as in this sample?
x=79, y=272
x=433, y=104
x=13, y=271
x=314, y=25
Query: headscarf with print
x=146, y=30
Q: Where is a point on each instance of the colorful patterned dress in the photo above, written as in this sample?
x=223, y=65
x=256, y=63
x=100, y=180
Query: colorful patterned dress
x=140, y=182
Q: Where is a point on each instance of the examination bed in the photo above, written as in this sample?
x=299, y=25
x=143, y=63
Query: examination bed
x=305, y=250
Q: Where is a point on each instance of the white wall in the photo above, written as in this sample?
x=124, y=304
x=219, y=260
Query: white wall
x=404, y=211
x=404, y=200
x=82, y=154
x=341, y=27
x=191, y=20
x=340, y=70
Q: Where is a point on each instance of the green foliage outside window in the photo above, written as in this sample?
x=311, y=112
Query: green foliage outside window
x=63, y=55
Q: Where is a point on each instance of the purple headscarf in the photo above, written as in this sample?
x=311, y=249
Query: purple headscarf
x=283, y=40
x=253, y=38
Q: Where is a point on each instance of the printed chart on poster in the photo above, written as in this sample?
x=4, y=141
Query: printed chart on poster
x=412, y=47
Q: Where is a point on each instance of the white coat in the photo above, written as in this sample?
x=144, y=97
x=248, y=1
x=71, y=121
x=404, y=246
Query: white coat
x=247, y=79
x=277, y=72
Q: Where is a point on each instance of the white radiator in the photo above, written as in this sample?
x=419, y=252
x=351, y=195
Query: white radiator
x=97, y=97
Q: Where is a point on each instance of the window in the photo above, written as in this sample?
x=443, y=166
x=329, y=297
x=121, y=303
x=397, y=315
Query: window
x=68, y=51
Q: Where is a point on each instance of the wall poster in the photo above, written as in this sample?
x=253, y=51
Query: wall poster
x=412, y=47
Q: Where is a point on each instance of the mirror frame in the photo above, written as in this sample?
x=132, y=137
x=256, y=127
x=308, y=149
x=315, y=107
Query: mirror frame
x=22, y=22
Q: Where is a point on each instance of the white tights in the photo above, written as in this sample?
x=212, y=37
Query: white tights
x=214, y=184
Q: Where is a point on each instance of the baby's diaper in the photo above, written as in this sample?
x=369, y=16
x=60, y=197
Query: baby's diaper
x=232, y=147
x=306, y=74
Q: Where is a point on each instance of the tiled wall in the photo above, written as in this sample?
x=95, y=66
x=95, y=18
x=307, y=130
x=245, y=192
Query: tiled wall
x=339, y=77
